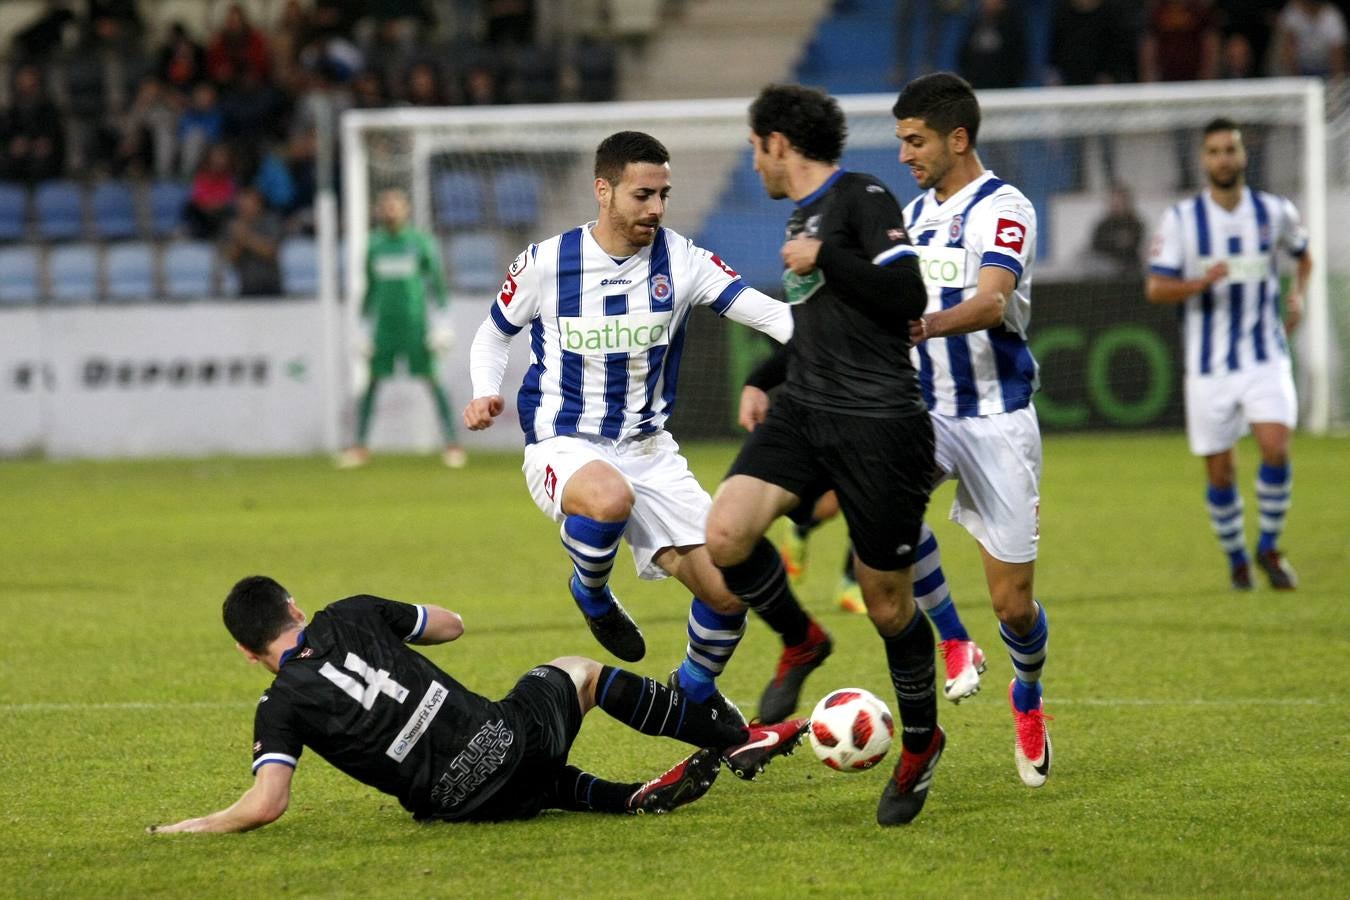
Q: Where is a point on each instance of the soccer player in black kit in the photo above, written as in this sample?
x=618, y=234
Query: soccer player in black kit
x=348, y=688
x=850, y=418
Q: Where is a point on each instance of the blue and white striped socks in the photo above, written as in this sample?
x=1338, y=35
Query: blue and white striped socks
x=931, y=591
x=1028, y=658
x=713, y=637
x=592, y=546
x=1225, y=514
x=1274, y=486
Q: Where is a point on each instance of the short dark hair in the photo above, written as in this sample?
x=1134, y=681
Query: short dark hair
x=810, y=119
x=256, y=611
x=623, y=147
x=1221, y=123
x=945, y=101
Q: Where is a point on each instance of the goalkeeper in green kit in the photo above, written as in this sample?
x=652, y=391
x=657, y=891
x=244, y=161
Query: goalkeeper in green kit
x=400, y=262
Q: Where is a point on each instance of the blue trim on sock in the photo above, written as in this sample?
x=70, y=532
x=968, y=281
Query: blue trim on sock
x=604, y=691
x=1026, y=695
x=713, y=620
x=1239, y=557
x=594, y=603
x=679, y=724
x=590, y=787
x=947, y=622
x=1221, y=496
x=589, y=531
x=695, y=681
x=1275, y=476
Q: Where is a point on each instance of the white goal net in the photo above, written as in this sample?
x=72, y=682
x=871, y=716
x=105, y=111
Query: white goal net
x=489, y=181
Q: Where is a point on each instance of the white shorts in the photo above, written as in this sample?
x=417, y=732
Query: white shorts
x=670, y=507
x=1220, y=407
x=996, y=461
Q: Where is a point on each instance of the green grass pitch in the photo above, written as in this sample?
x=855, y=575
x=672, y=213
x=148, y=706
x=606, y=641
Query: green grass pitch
x=1202, y=737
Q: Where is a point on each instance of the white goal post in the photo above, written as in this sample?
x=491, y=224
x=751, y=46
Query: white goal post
x=1142, y=134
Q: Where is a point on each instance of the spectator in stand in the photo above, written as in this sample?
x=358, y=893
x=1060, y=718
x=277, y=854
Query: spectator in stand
x=395, y=26
x=181, y=62
x=32, y=139
x=252, y=243
x=509, y=22
x=1246, y=27
x=41, y=38
x=479, y=86
x=237, y=50
x=147, y=131
x=112, y=23
x=336, y=18
x=275, y=181
x=422, y=86
x=1180, y=43
x=288, y=38
x=1090, y=43
x=995, y=51
x=1118, y=235
x=253, y=108
x=368, y=91
x=1312, y=39
x=213, y=191
x=201, y=125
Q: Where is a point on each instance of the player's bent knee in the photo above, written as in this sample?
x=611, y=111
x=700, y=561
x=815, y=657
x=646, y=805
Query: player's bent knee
x=584, y=672
x=728, y=542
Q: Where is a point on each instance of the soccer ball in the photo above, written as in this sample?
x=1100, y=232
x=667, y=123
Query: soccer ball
x=851, y=730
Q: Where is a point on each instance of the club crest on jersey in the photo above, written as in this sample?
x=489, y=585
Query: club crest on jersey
x=660, y=288
x=1011, y=234
x=954, y=232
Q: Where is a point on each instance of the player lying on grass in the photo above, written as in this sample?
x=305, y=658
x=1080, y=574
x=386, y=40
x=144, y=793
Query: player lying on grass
x=348, y=688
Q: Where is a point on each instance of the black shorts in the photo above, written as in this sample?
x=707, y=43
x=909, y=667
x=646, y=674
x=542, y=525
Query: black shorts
x=881, y=470
x=544, y=710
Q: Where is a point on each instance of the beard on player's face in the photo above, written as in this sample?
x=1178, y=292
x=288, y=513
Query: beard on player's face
x=1225, y=179
x=630, y=226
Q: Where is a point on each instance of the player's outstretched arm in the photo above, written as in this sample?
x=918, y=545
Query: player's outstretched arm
x=442, y=626
x=1165, y=289
x=261, y=804
x=981, y=310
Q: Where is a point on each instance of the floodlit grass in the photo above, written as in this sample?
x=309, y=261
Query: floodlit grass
x=1201, y=739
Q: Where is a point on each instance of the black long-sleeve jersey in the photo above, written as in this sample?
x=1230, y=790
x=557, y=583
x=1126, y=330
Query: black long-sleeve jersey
x=384, y=714
x=850, y=347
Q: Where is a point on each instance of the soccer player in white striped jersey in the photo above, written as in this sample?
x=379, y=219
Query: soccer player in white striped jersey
x=976, y=237
x=1216, y=255
x=606, y=305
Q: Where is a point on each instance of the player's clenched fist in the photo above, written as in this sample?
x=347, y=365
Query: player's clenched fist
x=482, y=410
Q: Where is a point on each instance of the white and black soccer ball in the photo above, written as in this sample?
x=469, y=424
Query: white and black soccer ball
x=851, y=730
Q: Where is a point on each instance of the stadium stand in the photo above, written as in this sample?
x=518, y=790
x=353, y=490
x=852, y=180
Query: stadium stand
x=20, y=275
x=167, y=199
x=129, y=272
x=113, y=211
x=13, y=212
x=59, y=209
x=515, y=194
x=475, y=260
x=73, y=273
x=299, y=260
x=458, y=199
x=189, y=268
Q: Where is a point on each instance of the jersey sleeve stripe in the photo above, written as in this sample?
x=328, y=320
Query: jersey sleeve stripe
x=886, y=257
x=503, y=324
x=728, y=297
x=1167, y=271
x=284, y=759
x=1003, y=260
x=420, y=626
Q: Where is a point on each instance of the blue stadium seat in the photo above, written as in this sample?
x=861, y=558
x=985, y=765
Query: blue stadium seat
x=167, y=199
x=114, y=211
x=72, y=272
x=13, y=212
x=188, y=267
x=60, y=210
x=129, y=270
x=516, y=194
x=19, y=274
x=300, y=267
x=458, y=200
x=475, y=261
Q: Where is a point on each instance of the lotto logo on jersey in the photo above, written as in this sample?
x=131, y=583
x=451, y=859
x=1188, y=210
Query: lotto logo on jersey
x=1010, y=234
x=724, y=267
x=508, y=291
